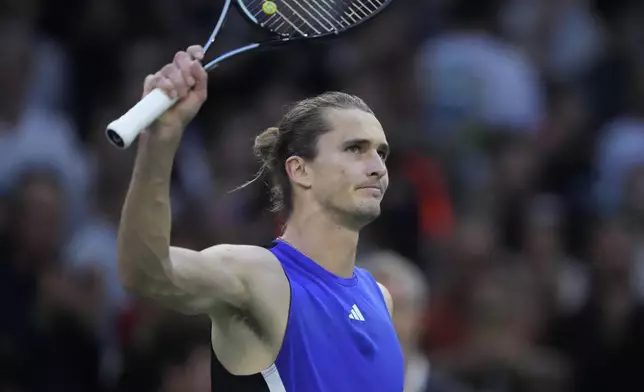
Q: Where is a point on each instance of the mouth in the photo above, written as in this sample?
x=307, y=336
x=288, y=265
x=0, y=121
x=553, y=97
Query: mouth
x=372, y=188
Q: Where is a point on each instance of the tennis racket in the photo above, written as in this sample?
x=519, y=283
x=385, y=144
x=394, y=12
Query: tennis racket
x=285, y=21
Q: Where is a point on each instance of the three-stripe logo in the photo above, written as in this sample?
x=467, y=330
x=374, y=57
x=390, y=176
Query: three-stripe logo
x=355, y=313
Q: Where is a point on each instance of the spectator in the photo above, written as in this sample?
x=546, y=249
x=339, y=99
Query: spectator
x=410, y=293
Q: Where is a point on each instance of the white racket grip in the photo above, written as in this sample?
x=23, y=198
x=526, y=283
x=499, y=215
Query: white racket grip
x=123, y=131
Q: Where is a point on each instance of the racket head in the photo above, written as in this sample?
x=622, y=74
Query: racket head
x=290, y=20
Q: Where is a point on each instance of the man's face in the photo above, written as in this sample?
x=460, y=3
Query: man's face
x=348, y=175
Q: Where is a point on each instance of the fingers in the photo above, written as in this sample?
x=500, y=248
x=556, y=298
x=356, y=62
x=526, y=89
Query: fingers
x=181, y=76
x=148, y=84
x=196, y=68
x=183, y=61
x=196, y=52
x=200, y=75
x=157, y=80
x=174, y=73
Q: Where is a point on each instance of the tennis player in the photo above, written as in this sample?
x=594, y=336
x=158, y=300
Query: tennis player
x=297, y=315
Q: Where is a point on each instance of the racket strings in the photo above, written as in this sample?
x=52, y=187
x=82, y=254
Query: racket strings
x=313, y=17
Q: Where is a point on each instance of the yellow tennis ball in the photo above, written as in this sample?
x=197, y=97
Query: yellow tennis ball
x=269, y=7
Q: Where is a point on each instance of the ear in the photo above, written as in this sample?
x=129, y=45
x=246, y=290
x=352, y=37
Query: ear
x=298, y=171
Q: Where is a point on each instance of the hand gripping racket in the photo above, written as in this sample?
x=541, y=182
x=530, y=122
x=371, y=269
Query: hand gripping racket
x=285, y=20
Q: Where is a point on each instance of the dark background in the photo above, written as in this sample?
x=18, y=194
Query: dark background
x=517, y=177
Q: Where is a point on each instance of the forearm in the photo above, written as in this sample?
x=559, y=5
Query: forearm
x=145, y=226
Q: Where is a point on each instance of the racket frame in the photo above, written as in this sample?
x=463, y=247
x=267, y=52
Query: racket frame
x=277, y=39
x=123, y=131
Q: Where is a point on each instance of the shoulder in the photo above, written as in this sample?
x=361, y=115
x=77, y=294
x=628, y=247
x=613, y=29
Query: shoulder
x=253, y=264
x=259, y=271
x=387, y=295
x=241, y=253
x=250, y=256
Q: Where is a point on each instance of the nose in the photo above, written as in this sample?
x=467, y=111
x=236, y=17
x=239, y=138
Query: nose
x=377, y=167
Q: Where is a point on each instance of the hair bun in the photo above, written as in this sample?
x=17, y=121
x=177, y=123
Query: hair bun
x=266, y=145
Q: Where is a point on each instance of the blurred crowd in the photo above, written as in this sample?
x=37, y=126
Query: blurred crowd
x=511, y=238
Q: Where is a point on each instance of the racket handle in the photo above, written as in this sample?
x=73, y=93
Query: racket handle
x=123, y=131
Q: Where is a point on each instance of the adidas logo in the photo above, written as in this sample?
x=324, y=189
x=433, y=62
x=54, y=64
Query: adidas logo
x=355, y=313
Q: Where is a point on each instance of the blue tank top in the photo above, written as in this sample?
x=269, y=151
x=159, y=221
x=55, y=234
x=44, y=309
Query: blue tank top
x=339, y=336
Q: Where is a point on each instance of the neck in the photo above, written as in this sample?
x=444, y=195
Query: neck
x=326, y=242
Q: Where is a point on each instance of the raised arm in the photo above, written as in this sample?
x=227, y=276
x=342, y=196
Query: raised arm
x=188, y=281
x=197, y=282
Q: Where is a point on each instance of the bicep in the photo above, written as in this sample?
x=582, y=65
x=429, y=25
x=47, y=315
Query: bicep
x=196, y=282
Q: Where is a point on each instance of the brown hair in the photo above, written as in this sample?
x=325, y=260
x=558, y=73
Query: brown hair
x=296, y=135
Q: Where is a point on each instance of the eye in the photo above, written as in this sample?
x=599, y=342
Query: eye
x=354, y=149
x=383, y=155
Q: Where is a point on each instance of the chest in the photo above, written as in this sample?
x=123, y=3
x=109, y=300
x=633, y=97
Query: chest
x=344, y=336
x=351, y=314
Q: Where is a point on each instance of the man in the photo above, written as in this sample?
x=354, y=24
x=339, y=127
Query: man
x=298, y=315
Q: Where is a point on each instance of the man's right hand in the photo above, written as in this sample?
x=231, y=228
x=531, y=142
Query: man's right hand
x=185, y=79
